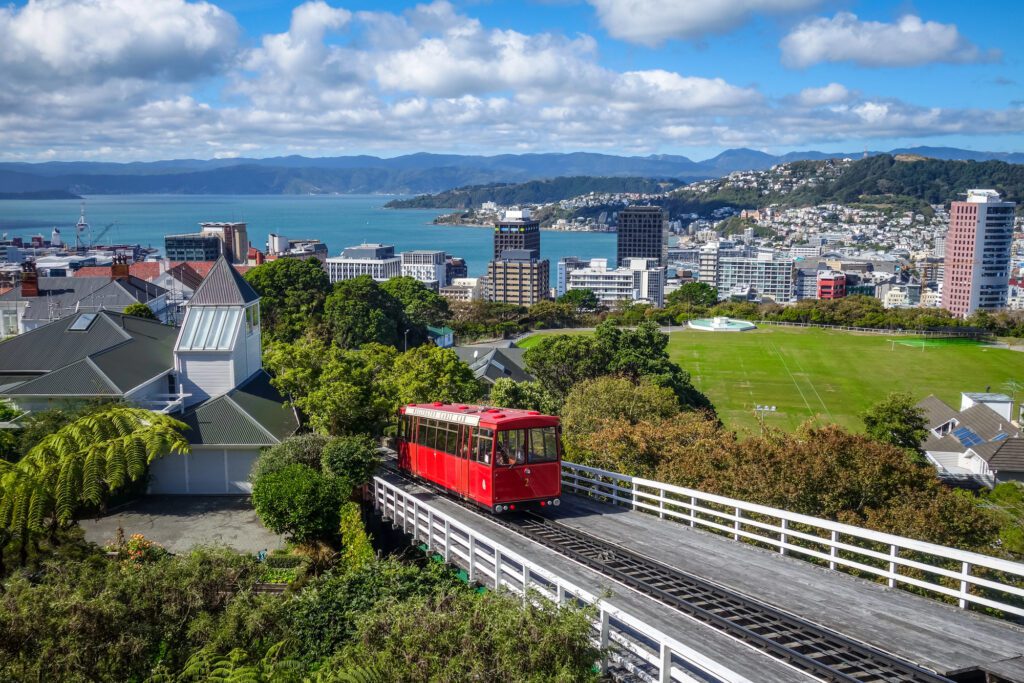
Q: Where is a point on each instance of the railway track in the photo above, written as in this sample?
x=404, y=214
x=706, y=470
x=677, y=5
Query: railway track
x=820, y=652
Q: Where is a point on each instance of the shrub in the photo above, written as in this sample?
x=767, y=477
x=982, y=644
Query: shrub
x=304, y=449
x=351, y=459
x=466, y=636
x=299, y=502
x=356, y=550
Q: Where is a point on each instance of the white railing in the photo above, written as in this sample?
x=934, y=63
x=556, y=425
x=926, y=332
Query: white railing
x=651, y=653
x=938, y=569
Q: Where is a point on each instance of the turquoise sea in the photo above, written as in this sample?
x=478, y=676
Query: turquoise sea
x=338, y=220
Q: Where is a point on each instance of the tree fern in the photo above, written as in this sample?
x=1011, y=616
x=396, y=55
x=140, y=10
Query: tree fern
x=81, y=463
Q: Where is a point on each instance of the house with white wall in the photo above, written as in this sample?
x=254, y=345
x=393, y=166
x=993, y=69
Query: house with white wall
x=208, y=373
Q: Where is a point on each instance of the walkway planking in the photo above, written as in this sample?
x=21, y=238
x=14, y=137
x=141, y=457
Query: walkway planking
x=931, y=634
x=733, y=654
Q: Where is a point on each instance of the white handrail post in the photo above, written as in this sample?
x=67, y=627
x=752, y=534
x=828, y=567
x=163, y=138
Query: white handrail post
x=560, y=594
x=497, y=568
x=447, y=541
x=430, y=531
x=526, y=582
x=665, y=668
x=783, y=536
x=634, y=494
x=965, y=585
x=736, y=524
x=605, y=638
x=471, y=572
x=693, y=511
x=832, y=550
x=661, y=503
x=893, y=551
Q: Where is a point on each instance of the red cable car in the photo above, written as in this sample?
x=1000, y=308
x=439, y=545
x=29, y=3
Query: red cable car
x=501, y=459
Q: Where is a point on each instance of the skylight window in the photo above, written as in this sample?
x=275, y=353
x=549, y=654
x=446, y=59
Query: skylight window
x=209, y=328
x=82, y=322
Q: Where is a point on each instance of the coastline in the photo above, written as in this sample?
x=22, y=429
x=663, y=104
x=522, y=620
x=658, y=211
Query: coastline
x=543, y=228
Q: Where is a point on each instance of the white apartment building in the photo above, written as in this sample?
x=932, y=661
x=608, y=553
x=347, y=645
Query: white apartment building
x=376, y=260
x=639, y=280
x=429, y=267
x=465, y=289
x=768, y=274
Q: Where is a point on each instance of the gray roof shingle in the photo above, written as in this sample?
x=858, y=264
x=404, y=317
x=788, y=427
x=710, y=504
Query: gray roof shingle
x=64, y=296
x=1009, y=457
x=936, y=411
x=224, y=286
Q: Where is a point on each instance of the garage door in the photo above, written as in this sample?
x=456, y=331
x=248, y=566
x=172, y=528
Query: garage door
x=203, y=472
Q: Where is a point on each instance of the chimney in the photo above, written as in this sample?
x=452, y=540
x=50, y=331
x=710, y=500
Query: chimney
x=120, y=270
x=29, y=279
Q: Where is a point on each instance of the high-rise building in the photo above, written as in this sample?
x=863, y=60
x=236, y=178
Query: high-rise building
x=235, y=237
x=193, y=247
x=518, y=277
x=455, y=267
x=643, y=233
x=636, y=280
x=977, y=263
x=565, y=265
x=376, y=260
x=516, y=231
x=429, y=267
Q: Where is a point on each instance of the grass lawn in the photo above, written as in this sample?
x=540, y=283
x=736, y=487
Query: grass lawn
x=831, y=375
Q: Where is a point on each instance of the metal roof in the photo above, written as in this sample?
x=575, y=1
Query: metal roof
x=115, y=354
x=1009, y=457
x=253, y=414
x=224, y=286
x=80, y=379
x=936, y=411
x=64, y=296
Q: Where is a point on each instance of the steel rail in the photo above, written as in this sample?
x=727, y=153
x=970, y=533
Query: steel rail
x=807, y=646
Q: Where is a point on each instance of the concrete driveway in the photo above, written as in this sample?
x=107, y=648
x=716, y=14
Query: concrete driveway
x=179, y=523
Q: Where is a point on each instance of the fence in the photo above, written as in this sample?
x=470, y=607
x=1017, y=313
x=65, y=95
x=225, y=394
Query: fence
x=488, y=562
x=967, y=334
x=967, y=577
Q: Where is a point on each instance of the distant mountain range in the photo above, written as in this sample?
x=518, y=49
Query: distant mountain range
x=409, y=174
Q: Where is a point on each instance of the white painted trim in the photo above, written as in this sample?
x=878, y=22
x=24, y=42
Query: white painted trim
x=444, y=415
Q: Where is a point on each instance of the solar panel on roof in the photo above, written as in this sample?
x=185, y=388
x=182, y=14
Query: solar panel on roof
x=967, y=437
x=82, y=322
x=1000, y=436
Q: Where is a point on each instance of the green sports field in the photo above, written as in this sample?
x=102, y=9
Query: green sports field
x=814, y=373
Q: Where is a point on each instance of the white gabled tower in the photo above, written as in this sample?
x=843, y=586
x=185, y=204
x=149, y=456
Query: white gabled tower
x=218, y=347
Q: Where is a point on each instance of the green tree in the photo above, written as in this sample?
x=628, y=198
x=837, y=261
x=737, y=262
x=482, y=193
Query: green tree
x=429, y=373
x=356, y=549
x=292, y=294
x=561, y=361
x=550, y=314
x=339, y=391
x=140, y=310
x=351, y=459
x=896, y=420
x=508, y=393
x=423, y=306
x=300, y=502
x=695, y=294
x=359, y=311
x=581, y=300
x=594, y=403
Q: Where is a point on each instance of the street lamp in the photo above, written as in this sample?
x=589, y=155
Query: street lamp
x=405, y=339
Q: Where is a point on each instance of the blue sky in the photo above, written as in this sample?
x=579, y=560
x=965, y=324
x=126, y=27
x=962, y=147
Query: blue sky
x=129, y=80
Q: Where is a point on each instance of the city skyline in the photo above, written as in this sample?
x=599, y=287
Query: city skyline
x=116, y=80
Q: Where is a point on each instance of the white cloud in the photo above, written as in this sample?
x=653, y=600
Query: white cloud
x=62, y=41
x=833, y=93
x=651, y=22
x=910, y=41
x=429, y=78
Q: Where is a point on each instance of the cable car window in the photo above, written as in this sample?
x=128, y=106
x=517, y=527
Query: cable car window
x=511, y=448
x=401, y=427
x=451, y=441
x=465, y=442
x=431, y=433
x=543, y=444
x=484, y=444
